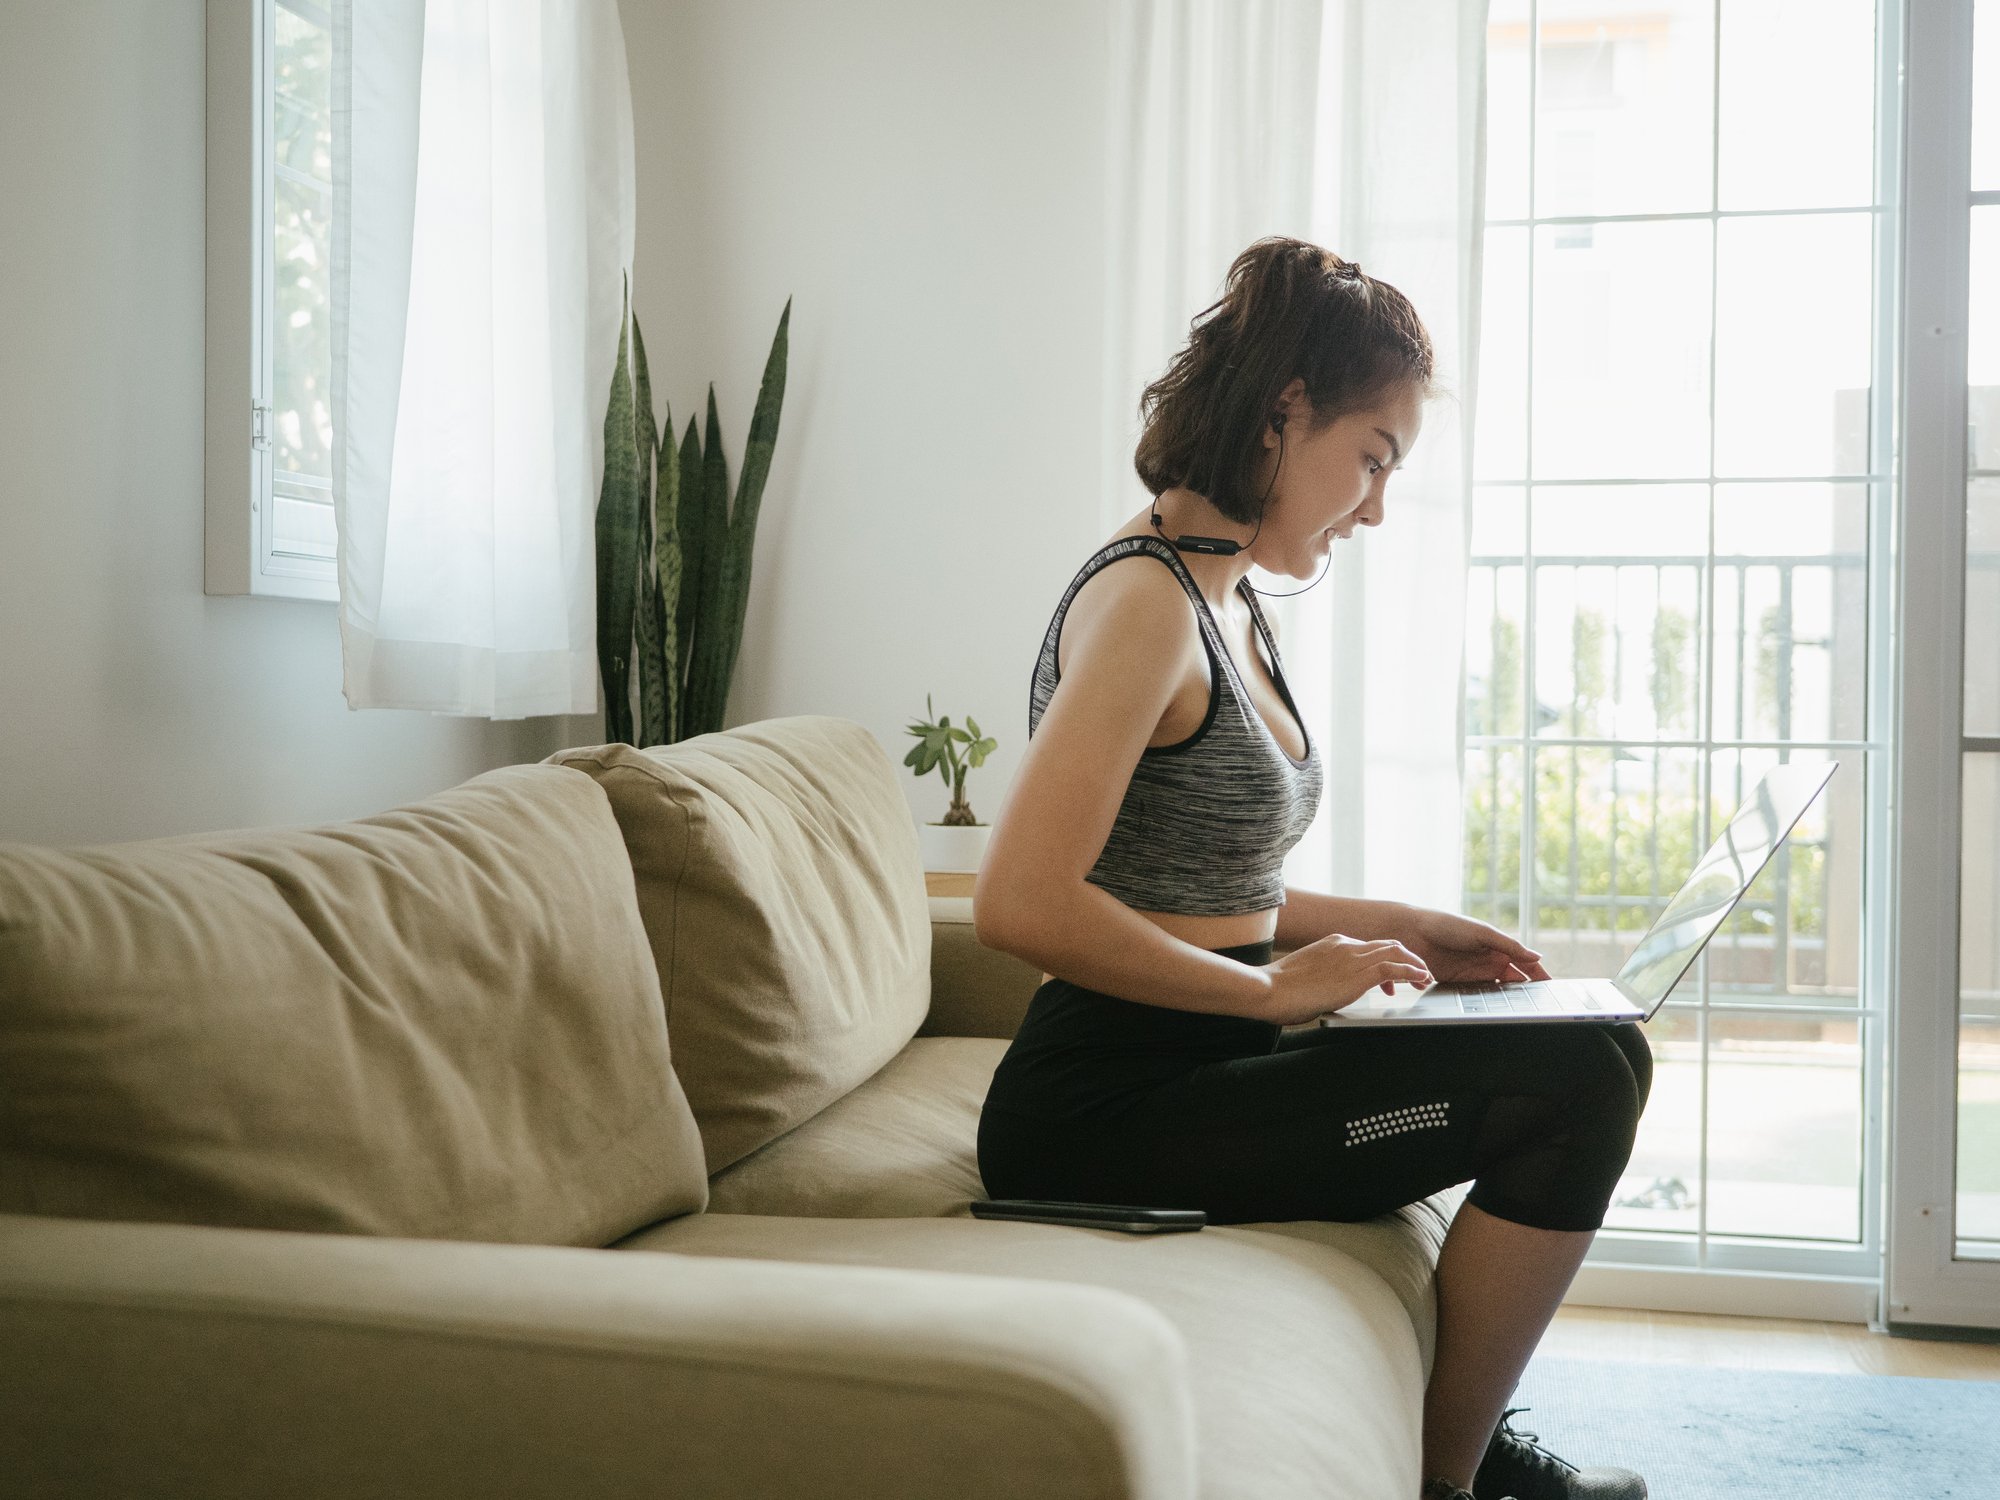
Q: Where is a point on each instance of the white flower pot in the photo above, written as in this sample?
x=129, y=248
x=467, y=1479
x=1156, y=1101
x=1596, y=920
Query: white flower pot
x=953, y=847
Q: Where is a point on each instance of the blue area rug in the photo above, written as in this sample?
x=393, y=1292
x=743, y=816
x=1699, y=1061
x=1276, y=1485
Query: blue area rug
x=1698, y=1433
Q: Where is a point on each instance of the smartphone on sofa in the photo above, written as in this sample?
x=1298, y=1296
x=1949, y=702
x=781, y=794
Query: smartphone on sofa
x=1090, y=1215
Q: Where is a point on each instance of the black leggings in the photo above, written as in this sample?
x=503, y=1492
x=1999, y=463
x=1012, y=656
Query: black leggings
x=1105, y=1100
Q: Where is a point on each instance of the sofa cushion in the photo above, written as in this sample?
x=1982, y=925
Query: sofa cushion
x=780, y=882
x=440, y=1021
x=1307, y=1378
x=900, y=1145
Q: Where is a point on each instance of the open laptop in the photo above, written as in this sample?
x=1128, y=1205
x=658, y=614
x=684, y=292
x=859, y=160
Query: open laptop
x=1664, y=953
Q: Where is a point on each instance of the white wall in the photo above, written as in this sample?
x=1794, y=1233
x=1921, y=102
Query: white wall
x=926, y=182
x=130, y=703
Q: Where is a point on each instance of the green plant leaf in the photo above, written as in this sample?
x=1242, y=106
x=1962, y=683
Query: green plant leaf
x=617, y=551
x=652, y=723
x=667, y=569
x=707, y=692
x=648, y=433
x=757, y=451
x=693, y=544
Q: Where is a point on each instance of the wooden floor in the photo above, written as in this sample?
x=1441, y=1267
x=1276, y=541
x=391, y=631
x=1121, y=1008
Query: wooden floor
x=1760, y=1344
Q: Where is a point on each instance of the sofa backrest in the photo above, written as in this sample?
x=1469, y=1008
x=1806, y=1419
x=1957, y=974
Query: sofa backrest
x=442, y=1021
x=781, y=884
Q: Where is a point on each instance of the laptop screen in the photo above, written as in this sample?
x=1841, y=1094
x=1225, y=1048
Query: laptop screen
x=1719, y=880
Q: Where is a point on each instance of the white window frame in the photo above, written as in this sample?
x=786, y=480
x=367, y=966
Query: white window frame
x=1930, y=1284
x=238, y=552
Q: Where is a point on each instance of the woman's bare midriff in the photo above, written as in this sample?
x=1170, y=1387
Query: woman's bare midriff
x=1213, y=932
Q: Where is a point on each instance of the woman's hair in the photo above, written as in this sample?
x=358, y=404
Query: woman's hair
x=1289, y=309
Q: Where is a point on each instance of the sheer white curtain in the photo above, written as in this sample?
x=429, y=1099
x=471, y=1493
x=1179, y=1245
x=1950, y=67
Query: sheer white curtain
x=1358, y=124
x=483, y=224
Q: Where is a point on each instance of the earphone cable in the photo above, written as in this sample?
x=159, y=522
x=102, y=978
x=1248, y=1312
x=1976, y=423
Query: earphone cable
x=1260, y=526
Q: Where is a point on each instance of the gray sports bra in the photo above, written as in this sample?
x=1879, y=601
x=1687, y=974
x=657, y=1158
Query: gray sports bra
x=1207, y=821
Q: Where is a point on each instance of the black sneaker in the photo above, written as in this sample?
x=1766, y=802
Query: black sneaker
x=1516, y=1464
x=1444, y=1489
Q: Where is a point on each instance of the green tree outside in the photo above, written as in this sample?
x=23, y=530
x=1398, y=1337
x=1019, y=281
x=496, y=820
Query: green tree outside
x=1611, y=841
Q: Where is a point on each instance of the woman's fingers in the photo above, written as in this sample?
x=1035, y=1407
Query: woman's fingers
x=1414, y=975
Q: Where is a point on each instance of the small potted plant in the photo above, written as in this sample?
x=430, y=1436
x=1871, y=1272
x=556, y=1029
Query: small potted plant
x=958, y=840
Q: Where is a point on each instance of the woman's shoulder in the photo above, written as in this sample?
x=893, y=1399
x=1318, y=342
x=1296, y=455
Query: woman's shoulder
x=1119, y=570
x=1129, y=602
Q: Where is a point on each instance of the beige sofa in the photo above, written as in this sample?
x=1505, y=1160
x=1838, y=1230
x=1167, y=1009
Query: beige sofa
x=605, y=1128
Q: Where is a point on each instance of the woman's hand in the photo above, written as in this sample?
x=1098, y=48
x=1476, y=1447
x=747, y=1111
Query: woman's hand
x=1336, y=971
x=1458, y=948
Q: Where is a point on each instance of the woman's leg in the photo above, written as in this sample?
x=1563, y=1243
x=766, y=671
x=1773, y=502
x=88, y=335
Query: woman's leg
x=1348, y=1124
x=1541, y=1115
x=1498, y=1286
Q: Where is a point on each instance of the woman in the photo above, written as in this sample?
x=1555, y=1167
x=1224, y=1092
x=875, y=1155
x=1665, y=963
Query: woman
x=1137, y=861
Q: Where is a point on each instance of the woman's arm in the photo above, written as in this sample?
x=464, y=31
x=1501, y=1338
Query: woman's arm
x=1454, y=947
x=1308, y=916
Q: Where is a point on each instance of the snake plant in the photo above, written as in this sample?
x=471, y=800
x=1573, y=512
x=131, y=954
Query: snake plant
x=673, y=551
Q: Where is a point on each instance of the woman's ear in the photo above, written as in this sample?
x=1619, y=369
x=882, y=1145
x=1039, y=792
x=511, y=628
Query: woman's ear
x=1290, y=407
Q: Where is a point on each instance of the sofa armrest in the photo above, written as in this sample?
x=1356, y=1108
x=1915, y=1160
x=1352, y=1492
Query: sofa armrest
x=975, y=990
x=174, y=1360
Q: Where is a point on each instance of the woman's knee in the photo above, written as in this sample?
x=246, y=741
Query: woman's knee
x=1585, y=1068
x=1595, y=1097
x=1610, y=1091
x=1554, y=1162
x=1631, y=1039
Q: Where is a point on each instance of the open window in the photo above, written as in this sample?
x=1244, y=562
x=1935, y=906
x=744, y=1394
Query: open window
x=269, y=424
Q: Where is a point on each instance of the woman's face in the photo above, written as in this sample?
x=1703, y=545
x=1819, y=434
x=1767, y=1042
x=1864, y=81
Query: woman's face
x=1332, y=480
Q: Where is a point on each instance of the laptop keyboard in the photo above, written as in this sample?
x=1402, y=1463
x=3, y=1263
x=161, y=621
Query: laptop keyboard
x=1552, y=995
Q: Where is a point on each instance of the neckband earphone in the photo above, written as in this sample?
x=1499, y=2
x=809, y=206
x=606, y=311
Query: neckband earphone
x=1222, y=546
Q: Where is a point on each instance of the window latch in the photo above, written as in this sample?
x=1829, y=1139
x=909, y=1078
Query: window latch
x=260, y=425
